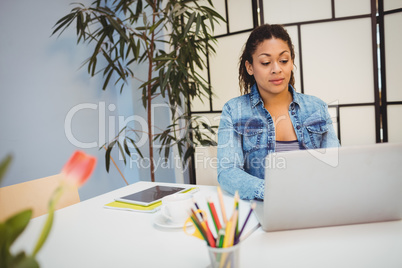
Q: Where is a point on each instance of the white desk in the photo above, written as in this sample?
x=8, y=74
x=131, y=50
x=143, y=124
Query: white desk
x=88, y=235
x=372, y=245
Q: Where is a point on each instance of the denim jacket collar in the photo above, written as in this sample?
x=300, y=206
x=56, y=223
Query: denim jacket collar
x=256, y=98
x=296, y=97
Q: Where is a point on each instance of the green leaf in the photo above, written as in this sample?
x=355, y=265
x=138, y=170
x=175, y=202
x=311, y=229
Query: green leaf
x=126, y=147
x=153, y=27
x=117, y=27
x=4, y=165
x=166, y=78
x=167, y=151
x=189, y=23
x=64, y=22
x=138, y=8
x=107, y=155
x=100, y=42
x=135, y=146
x=93, y=63
x=107, y=79
x=3, y=238
x=197, y=29
x=122, y=152
x=213, y=14
x=144, y=20
x=189, y=152
x=23, y=261
x=16, y=224
x=122, y=129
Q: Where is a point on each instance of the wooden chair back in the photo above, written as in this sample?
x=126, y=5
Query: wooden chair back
x=34, y=194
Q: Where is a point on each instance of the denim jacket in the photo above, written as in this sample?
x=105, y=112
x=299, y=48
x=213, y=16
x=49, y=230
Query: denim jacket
x=246, y=136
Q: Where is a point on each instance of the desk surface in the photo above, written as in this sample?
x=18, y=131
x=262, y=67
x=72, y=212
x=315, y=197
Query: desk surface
x=371, y=245
x=88, y=235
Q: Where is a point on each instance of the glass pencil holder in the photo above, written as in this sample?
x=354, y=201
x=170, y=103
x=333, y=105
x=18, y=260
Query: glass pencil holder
x=225, y=257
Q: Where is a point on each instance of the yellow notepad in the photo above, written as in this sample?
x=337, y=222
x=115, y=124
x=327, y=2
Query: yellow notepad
x=133, y=207
x=140, y=208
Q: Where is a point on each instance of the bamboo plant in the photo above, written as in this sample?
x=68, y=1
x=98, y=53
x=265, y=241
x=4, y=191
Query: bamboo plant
x=172, y=38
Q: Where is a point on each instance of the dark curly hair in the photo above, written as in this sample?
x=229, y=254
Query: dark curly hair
x=257, y=36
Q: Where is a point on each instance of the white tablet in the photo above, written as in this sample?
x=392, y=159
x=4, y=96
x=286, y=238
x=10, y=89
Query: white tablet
x=151, y=195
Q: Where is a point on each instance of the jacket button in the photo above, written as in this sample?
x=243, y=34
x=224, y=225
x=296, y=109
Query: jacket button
x=298, y=127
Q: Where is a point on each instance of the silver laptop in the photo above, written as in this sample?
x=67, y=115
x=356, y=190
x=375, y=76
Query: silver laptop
x=337, y=186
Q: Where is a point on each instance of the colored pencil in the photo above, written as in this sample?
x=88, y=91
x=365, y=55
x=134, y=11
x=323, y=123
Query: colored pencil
x=210, y=237
x=236, y=207
x=252, y=207
x=249, y=232
x=202, y=218
x=221, y=237
x=207, y=229
x=196, y=205
x=227, y=233
x=232, y=232
x=214, y=215
x=222, y=205
x=199, y=228
x=199, y=225
x=227, y=230
x=204, y=224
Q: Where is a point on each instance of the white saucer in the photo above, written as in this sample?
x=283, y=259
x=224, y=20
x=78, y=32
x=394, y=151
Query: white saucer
x=162, y=221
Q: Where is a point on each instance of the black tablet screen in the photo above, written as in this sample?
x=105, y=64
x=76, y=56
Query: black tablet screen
x=152, y=194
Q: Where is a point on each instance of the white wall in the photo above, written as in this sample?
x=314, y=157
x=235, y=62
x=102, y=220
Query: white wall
x=40, y=86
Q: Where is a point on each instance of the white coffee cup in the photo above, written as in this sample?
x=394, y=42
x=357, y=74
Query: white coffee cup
x=176, y=207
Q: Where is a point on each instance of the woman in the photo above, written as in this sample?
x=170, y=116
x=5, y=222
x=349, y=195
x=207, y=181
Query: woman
x=269, y=117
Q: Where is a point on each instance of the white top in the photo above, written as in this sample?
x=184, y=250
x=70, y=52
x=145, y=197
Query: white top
x=284, y=146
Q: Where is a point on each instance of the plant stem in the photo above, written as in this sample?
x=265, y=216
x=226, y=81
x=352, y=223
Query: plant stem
x=49, y=221
x=150, y=136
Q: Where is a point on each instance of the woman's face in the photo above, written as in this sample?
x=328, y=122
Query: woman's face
x=272, y=67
